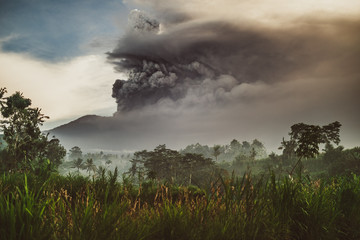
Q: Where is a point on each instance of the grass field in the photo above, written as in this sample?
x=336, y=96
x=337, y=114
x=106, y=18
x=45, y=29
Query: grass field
x=75, y=207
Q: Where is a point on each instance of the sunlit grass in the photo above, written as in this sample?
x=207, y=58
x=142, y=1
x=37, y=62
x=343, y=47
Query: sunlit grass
x=248, y=207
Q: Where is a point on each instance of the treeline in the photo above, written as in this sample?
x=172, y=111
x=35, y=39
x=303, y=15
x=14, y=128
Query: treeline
x=25, y=148
x=228, y=152
x=194, y=164
x=91, y=162
x=171, y=166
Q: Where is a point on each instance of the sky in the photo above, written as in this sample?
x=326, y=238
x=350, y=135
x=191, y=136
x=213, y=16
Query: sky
x=54, y=52
x=188, y=71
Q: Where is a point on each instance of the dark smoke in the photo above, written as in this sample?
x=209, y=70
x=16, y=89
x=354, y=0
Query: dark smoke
x=168, y=64
x=153, y=73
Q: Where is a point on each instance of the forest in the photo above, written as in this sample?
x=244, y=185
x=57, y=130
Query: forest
x=233, y=191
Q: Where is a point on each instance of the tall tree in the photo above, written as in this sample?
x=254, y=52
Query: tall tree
x=288, y=147
x=163, y=163
x=307, y=138
x=170, y=165
x=192, y=167
x=246, y=148
x=55, y=151
x=259, y=149
x=75, y=153
x=216, y=151
x=26, y=144
x=90, y=166
x=235, y=144
x=78, y=163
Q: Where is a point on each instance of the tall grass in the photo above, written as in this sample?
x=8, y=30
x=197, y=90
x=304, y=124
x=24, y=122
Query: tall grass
x=248, y=207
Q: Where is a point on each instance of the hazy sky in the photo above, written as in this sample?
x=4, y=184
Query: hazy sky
x=54, y=52
x=202, y=71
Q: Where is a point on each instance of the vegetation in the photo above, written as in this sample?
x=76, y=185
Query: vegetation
x=93, y=163
x=75, y=153
x=232, y=191
x=247, y=207
x=305, y=139
x=168, y=165
x=26, y=146
x=228, y=152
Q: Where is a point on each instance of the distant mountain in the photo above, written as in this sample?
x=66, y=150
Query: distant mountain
x=133, y=131
x=87, y=124
x=92, y=132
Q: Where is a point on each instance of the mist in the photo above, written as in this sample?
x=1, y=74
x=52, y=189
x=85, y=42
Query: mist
x=197, y=78
x=188, y=76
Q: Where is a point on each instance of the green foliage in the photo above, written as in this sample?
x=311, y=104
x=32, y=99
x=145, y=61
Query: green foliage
x=249, y=207
x=89, y=165
x=78, y=163
x=27, y=148
x=169, y=165
x=216, y=151
x=23, y=214
x=54, y=151
x=228, y=152
x=342, y=162
x=308, y=137
x=75, y=153
x=175, y=195
x=240, y=160
x=305, y=140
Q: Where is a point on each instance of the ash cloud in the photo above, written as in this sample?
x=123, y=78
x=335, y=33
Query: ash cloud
x=184, y=58
x=220, y=79
x=152, y=74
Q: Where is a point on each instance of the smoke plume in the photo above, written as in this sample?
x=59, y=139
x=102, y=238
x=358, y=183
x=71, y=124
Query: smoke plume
x=210, y=59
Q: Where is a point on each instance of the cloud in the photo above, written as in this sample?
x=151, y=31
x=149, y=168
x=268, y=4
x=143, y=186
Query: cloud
x=168, y=64
x=60, y=30
x=201, y=71
x=63, y=90
x=214, y=75
x=272, y=13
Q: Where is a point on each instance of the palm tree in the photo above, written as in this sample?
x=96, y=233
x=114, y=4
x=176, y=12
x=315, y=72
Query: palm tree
x=100, y=172
x=90, y=166
x=78, y=163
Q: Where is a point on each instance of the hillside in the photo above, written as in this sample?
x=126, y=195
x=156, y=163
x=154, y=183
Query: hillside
x=92, y=132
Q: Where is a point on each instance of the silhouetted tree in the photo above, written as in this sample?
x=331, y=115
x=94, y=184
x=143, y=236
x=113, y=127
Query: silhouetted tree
x=55, y=151
x=75, y=153
x=246, y=148
x=193, y=167
x=78, y=163
x=288, y=153
x=235, y=144
x=308, y=138
x=89, y=165
x=169, y=165
x=259, y=149
x=216, y=151
x=163, y=163
x=26, y=146
x=137, y=165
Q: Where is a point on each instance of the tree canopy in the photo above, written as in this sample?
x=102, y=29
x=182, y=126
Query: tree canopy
x=26, y=145
x=305, y=139
x=308, y=137
x=169, y=165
